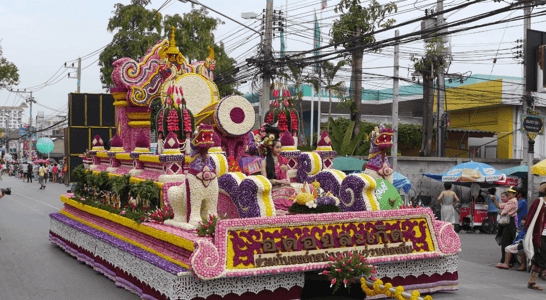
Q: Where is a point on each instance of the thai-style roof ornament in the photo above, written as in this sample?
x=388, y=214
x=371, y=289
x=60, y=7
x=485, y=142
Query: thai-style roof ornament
x=142, y=143
x=171, y=146
x=117, y=144
x=97, y=144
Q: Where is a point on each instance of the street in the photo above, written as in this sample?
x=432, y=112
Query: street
x=33, y=268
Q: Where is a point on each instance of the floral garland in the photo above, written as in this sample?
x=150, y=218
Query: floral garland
x=270, y=117
x=187, y=121
x=294, y=119
x=160, y=124
x=377, y=290
x=172, y=121
x=283, y=122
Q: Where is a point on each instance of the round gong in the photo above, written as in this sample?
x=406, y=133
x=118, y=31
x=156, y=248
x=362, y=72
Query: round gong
x=234, y=116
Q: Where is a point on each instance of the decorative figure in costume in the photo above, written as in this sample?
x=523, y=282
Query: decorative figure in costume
x=274, y=167
x=197, y=197
x=378, y=166
x=206, y=67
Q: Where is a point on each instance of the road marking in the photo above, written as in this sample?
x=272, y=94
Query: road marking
x=37, y=200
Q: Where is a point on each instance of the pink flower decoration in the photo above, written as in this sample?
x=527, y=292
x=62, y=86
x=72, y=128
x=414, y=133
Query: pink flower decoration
x=122, y=212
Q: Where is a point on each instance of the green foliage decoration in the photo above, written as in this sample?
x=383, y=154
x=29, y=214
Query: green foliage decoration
x=342, y=140
x=207, y=228
x=408, y=135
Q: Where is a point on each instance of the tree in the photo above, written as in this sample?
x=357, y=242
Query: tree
x=329, y=71
x=428, y=66
x=357, y=21
x=9, y=73
x=137, y=29
x=193, y=34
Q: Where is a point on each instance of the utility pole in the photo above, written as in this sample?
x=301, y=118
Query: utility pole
x=440, y=83
x=30, y=100
x=394, y=150
x=527, y=143
x=78, y=73
x=266, y=88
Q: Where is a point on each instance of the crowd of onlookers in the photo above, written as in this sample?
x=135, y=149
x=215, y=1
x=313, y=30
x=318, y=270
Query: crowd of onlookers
x=520, y=232
x=27, y=171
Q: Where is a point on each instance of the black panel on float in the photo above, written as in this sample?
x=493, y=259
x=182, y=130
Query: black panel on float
x=93, y=110
x=73, y=162
x=78, y=140
x=104, y=133
x=77, y=110
x=108, y=110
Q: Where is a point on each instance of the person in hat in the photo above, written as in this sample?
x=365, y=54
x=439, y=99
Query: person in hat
x=535, y=238
x=507, y=232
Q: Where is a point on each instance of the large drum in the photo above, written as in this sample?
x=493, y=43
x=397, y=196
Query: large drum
x=233, y=116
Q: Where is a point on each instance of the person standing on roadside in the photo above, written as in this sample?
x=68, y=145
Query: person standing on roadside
x=492, y=210
x=522, y=204
x=507, y=232
x=23, y=172
x=28, y=173
x=55, y=171
x=41, y=174
x=535, y=238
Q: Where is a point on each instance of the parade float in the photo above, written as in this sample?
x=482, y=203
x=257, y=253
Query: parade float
x=187, y=223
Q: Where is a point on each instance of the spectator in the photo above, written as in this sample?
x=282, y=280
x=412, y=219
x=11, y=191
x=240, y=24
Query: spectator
x=507, y=232
x=492, y=210
x=517, y=248
x=50, y=170
x=522, y=204
x=28, y=173
x=54, y=170
x=448, y=203
x=535, y=240
x=23, y=170
x=41, y=174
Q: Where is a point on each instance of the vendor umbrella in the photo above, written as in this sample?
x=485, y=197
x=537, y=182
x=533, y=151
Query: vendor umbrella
x=539, y=168
x=518, y=171
x=472, y=172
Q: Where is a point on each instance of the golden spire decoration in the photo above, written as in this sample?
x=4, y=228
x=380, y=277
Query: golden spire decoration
x=172, y=50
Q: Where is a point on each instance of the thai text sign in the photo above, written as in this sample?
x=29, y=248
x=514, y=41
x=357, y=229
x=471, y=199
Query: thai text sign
x=532, y=124
x=303, y=244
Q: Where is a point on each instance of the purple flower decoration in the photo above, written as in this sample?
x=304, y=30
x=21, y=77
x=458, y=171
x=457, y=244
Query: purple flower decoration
x=351, y=194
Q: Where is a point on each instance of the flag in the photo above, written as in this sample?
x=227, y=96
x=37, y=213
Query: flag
x=282, y=42
x=324, y=3
x=351, y=89
x=316, y=42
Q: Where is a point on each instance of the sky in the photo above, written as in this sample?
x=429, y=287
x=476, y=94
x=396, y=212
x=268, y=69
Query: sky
x=40, y=36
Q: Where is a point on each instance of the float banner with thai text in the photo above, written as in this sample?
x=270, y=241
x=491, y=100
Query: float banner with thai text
x=293, y=244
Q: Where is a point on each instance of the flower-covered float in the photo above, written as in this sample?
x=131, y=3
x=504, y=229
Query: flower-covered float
x=186, y=223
